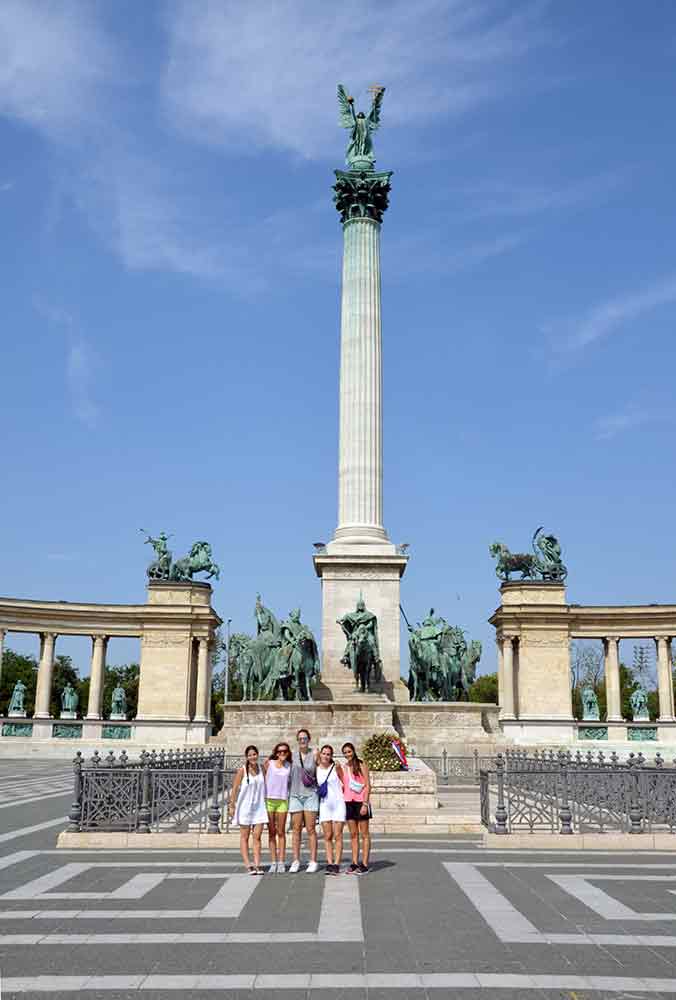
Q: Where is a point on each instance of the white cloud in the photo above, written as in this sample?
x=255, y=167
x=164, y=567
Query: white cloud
x=52, y=59
x=495, y=198
x=80, y=363
x=264, y=74
x=612, y=424
x=607, y=317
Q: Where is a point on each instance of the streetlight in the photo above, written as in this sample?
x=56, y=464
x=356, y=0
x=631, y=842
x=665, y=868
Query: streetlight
x=227, y=659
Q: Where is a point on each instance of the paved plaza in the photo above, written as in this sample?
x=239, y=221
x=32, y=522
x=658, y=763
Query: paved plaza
x=435, y=917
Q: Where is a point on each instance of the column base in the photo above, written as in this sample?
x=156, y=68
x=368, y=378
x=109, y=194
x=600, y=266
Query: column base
x=94, y=718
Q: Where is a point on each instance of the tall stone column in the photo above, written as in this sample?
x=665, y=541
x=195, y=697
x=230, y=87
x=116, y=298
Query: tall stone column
x=97, y=676
x=43, y=691
x=612, y=675
x=665, y=686
x=360, y=559
x=202, y=706
x=507, y=677
x=2, y=647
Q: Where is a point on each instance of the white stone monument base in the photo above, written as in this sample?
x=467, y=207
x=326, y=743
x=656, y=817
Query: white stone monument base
x=117, y=717
x=265, y=723
x=456, y=726
x=68, y=715
x=17, y=715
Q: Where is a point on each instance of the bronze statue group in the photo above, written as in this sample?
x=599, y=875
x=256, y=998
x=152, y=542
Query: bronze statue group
x=309, y=786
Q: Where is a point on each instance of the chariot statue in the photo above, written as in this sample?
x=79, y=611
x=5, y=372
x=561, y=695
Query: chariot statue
x=163, y=567
x=545, y=562
x=442, y=665
x=362, y=649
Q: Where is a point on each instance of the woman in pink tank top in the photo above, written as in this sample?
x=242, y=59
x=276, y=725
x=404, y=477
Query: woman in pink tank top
x=357, y=792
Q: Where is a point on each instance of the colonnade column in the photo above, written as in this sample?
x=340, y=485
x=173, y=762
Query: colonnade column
x=43, y=692
x=507, y=677
x=2, y=644
x=97, y=676
x=665, y=685
x=611, y=660
x=202, y=697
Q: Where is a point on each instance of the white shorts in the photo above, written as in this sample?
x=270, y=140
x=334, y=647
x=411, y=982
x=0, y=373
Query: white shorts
x=331, y=810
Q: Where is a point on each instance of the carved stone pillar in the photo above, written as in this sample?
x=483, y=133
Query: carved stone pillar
x=202, y=706
x=97, y=676
x=665, y=686
x=507, y=706
x=612, y=675
x=2, y=646
x=43, y=692
x=498, y=643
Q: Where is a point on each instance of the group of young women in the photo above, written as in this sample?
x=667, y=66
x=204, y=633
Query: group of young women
x=306, y=784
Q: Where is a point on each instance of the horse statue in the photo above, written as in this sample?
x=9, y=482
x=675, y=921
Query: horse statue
x=199, y=560
x=442, y=665
x=242, y=665
x=363, y=662
x=304, y=665
x=545, y=562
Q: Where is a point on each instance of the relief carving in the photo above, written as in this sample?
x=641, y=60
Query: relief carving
x=164, y=639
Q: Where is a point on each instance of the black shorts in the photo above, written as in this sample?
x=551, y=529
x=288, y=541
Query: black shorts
x=353, y=811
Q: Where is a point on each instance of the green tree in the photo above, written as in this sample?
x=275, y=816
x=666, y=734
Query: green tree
x=16, y=667
x=485, y=689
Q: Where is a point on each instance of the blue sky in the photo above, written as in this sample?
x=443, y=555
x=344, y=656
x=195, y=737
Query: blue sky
x=170, y=286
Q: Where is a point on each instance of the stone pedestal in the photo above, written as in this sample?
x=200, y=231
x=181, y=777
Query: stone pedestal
x=68, y=715
x=265, y=723
x=376, y=577
x=169, y=650
x=17, y=715
x=117, y=717
x=455, y=726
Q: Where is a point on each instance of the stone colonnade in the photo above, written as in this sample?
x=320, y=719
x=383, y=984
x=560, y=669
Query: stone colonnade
x=534, y=627
x=176, y=629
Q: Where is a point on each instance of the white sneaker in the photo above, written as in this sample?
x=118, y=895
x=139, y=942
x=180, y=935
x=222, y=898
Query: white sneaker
x=312, y=868
x=272, y=870
x=281, y=867
x=293, y=867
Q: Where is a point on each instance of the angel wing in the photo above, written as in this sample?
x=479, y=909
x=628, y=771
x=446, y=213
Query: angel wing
x=346, y=111
x=374, y=113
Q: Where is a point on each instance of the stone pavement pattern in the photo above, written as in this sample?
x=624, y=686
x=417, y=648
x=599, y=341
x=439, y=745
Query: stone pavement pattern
x=436, y=917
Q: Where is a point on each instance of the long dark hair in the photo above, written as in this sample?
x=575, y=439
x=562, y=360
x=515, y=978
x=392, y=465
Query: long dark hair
x=275, y=751
x=327, y=746
x=355, y=763
x=246, y=759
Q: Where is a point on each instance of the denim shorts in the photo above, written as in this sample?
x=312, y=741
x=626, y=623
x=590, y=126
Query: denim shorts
x=304, y=802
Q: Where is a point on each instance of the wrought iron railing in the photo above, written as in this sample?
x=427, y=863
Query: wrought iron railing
x=456, y=768
x=162, y=791
x=578, y=793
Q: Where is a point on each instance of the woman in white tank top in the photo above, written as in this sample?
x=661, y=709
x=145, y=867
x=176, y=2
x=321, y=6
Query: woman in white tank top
x=247, y=808
x=331, y=808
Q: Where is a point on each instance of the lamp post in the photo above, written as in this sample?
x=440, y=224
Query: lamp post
x=227, y=660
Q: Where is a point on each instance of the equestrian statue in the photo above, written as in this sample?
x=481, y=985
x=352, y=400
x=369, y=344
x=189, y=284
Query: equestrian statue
x=442, y=664
x=362, y=650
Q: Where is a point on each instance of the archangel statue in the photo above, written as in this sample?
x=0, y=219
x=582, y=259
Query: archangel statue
x=359, y=153
x=442, y=665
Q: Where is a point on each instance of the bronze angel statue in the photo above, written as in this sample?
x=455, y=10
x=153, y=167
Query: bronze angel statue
x=360, y=150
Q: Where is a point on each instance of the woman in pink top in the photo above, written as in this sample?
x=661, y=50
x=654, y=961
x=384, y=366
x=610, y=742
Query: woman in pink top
x=357, y=792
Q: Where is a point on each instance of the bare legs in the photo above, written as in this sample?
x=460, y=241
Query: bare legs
x=310, y=821
x=333, y=841
x=277, y=834
x=244, y=833
x=360, y=829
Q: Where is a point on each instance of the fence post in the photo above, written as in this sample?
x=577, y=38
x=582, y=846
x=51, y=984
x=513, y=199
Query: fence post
x=214, y=811
x=476, y=764
x=75, y=814
x=634, y=803
x=565, y=815
x=144, y=812
x=500, y=811
x=444, y=764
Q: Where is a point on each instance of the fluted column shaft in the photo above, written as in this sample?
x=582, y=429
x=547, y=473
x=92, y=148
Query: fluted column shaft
x=360, y=471
x=2, y=648
x=507, y=677
x=43, y=691
x=665, y=686
x=202, y=706
x=97, y=677
x=612, y=674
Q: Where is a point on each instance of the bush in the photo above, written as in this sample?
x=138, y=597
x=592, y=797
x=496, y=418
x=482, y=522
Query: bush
x=485, y=689
x=378, y=753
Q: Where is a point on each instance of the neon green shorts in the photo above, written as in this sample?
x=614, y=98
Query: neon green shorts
x=277, y=805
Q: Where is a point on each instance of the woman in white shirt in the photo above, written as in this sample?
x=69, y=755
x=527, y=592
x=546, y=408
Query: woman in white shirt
x=247, y=808
x=331, y=807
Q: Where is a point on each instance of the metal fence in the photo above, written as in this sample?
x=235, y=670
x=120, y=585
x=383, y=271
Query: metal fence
x=457, y=769
x=162, y=791
x=578, y=793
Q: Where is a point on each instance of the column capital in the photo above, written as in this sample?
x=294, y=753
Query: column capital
x=99, y=637
x=362, y=194
x=49, y=635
